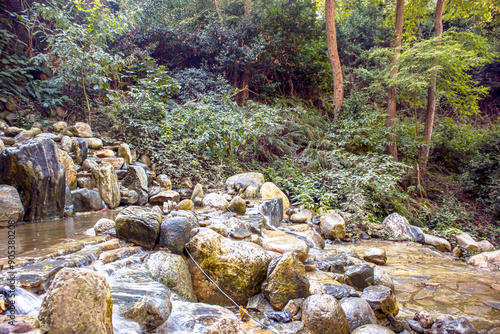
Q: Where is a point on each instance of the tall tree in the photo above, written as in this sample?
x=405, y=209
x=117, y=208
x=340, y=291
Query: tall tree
x=333, y=55
x=431, y=92
x=391, y=102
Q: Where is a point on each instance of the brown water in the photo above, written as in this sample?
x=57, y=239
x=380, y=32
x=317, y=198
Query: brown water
x=428, y=280
x=31, y=238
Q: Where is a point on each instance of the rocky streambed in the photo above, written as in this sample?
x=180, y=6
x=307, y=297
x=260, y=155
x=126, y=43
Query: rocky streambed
x=230, y=261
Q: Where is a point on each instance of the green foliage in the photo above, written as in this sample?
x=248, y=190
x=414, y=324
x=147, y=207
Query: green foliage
x=13, y=67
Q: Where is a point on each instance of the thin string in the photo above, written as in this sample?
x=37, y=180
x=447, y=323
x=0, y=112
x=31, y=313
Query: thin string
x=271, y=328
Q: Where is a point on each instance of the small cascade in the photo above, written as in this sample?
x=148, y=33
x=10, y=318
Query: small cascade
x=27, y=303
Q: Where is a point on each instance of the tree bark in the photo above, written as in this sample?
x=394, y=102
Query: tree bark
x=219, y=12
x=247, y=4
x=431, y=92
x=392, y=148
x=333, y=55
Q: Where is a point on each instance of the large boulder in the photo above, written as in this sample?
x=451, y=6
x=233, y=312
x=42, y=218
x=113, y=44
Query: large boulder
x=80, y=129
x=69, y=169
x=358, y=312
x=11, y=207
x=322, y=314
x=240, y=267
x=286, y=280
x=78, y=301
x=237, y=205
x=174, y=234
x=359, y=276
x=200, y=318
x=35, y=170
x=237, y=184
x=486, y=260
x=137, y=180
x=171, y=270
x=139, y=225
x=216, y=201
x=382, y=300
x=465, y=241
x=270, y=190
x=86, y=200
x=107, y=183
x=332, y=226
x=441, y=244
x=282, y=242
x=400, y=227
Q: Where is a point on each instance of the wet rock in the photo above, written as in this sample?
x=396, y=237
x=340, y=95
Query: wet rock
x=237, y=184
x=69, y=208
x=94, y=143
x=197, y=192
x=11, y=207
x=315, y=238
x=251, y=192
x=382, y=300
x=104, y=153
x=382, y=277
x=137, y=180
x=360, y=276
x=399, y=227
x=323, y=314
x=298, y=218
x=69, y=169
x=415, y=325
x=80, y=148
x=164, y=181
x=486, y=260
x=270, y=190
x=104, y=225
x=282, y=242
x=174, y=234
x=272, y=210
x=200, y=318
x=140, y=298
x=117, y=254
x=35, y=170
x=257, y=303
x=80, y=129
x=237, y=205
x=78, y=301
x=190, y=215
x=465, y=241
x=86, y=200
x=424, y=318
x=441, y=244
x=165, y=196
x=171, y=270
x=85, y=182
x=216, y=201
x=124, y=152
x=185, y=204
x=66, y=144
x=333, y=288
x=375, y=255
x=358, y=312
x=281, y=317
x=27, y=135
x=139, y=225
x=238, y=229
x=128, y=197
x=372, y=329
x=117, y=163
x=486, y=246
x=286, y=280
x=448, y=325
x=107, y=183
x=59, y=126
x=238, y=266
x=332, y=226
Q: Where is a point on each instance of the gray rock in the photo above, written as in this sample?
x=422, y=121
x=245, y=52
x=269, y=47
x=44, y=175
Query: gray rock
x=128, y=197
x=382, y=300
x=216, y=201
x=382, y=277
x=197, y=192
x=358, y=312
x=165, y=196
x=104, y=225
x=11, y=207
x=200, y=318
x=164, y=181
x=137, y=180
x=272, y=210
x=465, y=241
x=171, y=270
x=81, y=150
x=375, y=255
x=400, y=227
x=107, y=183
x=372, y=329
x=86, y=200
x=237, y=205
x=359, y=276
x=66, y=144
x=322, y=314
x=190, y=215
x=237, y=184
x=448, y=325
x=139, y=225
x=286, y=280
x=332, y=226
x=174, y=234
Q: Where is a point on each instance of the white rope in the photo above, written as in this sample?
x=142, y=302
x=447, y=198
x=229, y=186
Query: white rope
x=271, y=328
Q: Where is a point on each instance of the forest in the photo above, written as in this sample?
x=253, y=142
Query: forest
x=365, y=106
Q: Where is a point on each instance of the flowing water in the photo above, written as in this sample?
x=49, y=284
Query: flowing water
x=424, y=278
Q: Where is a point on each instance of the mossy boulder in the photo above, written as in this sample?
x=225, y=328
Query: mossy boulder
x=238, y=266
x=139, y=225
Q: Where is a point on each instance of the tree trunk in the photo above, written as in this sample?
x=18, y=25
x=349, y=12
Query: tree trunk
x=431, y=92
x=219, y=12
x=391, y=102
x=248, y=9
x=333, y=55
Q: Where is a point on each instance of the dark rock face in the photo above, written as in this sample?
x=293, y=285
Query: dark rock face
x=448, y=325
x=174, y=234
x=80, y=147
x=35, y=170
x=86, y=200
x=272, y=210
x=137, y=180
x=358, y=312
x=139, y=225
x=360, y=276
